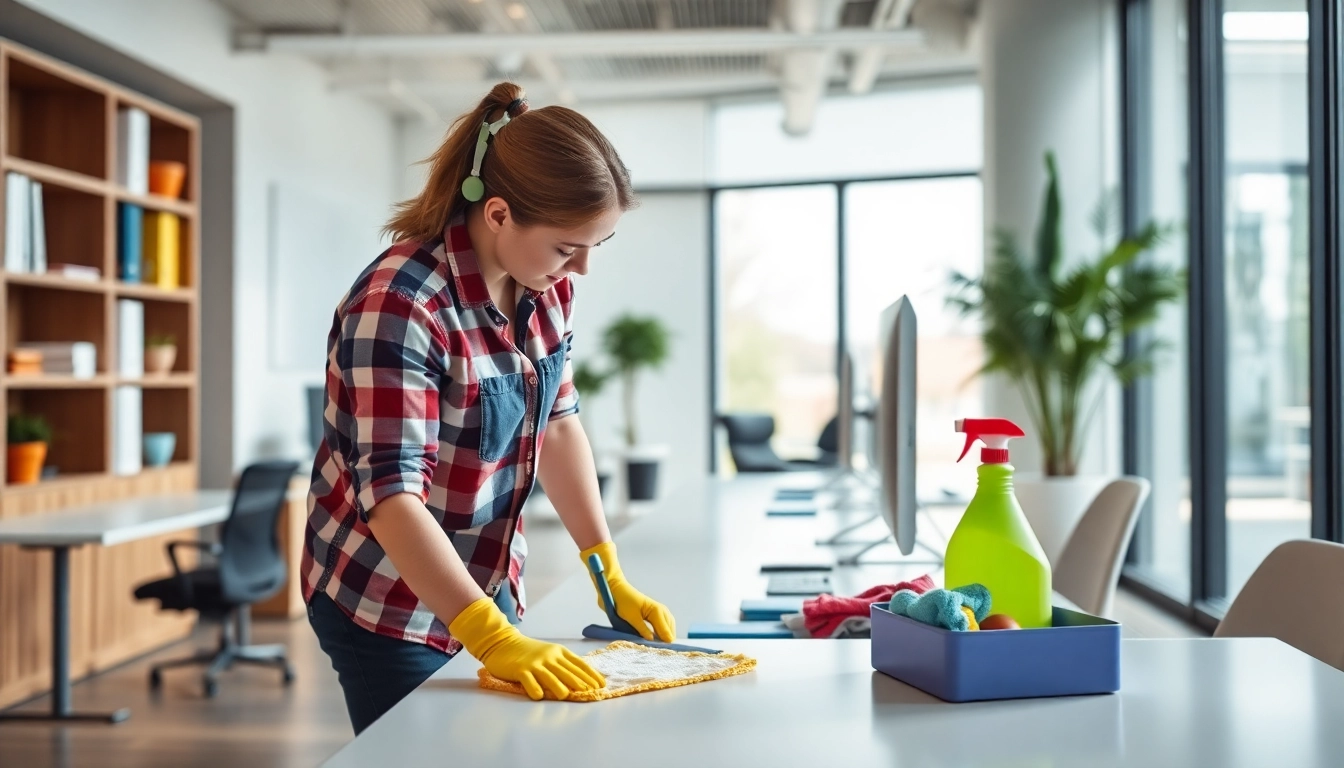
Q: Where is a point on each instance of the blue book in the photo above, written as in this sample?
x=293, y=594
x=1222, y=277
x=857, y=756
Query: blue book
x=770, y=608
x=130, y=237
x=756, y=630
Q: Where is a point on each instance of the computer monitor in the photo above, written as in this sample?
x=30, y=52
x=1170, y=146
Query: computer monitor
x=896, y=422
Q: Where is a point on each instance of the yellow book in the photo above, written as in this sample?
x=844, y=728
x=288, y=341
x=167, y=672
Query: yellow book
x=161, y=252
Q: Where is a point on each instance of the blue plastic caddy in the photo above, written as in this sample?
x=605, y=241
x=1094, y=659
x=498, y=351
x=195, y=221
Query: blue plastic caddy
x=1080, y=654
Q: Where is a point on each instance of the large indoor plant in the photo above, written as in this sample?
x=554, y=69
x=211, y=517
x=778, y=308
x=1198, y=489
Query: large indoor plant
x=636, y=343
x=1051, y=329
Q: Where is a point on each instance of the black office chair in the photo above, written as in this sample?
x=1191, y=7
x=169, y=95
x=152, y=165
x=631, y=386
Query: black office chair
x=749, y=443
x=248, y=569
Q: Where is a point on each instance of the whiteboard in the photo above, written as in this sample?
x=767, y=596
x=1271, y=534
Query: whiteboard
x=317, y=249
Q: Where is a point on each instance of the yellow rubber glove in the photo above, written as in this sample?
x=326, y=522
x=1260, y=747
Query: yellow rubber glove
x=631, y=604
x=508, y=654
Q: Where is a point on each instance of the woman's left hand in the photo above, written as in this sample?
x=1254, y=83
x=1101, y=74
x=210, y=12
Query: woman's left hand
x=631, y=604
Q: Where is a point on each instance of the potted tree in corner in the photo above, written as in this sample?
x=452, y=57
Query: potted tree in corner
x=1052, y=329
x=589, y=381
x=634, y=343
x=27, y=448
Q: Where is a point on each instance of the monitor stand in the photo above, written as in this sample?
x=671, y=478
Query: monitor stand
x=857, y=558
x=852, y=490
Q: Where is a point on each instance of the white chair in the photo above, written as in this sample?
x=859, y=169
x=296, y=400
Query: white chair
x=1294, y=596
x=1089, y=567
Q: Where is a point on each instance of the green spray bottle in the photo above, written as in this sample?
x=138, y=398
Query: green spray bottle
x=994, y=544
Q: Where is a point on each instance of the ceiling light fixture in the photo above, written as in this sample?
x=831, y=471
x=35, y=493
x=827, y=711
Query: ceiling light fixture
x=516, y=11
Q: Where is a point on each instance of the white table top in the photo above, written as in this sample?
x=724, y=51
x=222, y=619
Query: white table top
x=1246, y=702
x=700, y=552
x=118, y=522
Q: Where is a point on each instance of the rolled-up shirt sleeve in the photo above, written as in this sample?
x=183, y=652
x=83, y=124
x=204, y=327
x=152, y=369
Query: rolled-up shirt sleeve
x=392, y=356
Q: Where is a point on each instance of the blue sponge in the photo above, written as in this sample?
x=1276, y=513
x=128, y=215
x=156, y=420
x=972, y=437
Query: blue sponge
x=942, y=607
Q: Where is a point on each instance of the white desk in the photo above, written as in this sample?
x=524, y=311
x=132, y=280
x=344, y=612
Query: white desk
x=104, y=525
x=700, y=552
x=812, y=703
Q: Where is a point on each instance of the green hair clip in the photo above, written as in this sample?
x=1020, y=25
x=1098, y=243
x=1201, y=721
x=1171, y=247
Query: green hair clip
x=473, y=189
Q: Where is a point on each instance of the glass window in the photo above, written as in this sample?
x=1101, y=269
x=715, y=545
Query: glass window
x=906, y=238
x=777, y=277
x=1267, y=281
x=1163, y=538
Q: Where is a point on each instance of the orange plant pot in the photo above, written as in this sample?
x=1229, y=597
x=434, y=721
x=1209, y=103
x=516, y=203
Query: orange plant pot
x=166, y=178
x=24, y=462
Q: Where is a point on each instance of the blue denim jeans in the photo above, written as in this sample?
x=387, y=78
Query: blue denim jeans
x=376, y=671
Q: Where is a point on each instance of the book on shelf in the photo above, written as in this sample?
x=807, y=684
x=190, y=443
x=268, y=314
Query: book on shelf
x=130, y=338
x=76, y=272
x=130, y=235
x=65, y=358
x=127, y=429
x=133, y=149
x=18, y=222
x=161, y=247
x=37, y=254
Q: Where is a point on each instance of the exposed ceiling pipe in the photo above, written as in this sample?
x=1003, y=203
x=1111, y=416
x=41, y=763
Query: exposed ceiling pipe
x=806, y=72
x=889, y=14
x=413, y=101
x=622, y=43
x=543, y=63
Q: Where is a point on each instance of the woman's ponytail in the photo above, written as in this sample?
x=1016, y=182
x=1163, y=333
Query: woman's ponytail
x=552, y=167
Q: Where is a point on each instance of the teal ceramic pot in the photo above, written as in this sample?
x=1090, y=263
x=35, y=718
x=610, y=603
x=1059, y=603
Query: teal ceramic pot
x=159, y=447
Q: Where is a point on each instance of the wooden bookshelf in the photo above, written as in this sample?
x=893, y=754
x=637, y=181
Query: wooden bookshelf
x=58, y=126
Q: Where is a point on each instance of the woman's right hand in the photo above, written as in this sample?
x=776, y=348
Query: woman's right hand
x=540, y=667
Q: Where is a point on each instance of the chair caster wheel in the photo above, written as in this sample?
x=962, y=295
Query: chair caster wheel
x=288, y=674
x=211, y=689
x=155, y=679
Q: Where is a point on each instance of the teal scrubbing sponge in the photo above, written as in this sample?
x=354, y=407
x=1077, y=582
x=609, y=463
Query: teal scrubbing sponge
x=976, y=597
x=942, y=607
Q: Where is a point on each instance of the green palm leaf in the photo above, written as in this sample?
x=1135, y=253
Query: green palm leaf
x=1051, y=334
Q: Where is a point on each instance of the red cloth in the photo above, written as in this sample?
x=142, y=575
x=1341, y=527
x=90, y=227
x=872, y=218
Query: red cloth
x=823, y=614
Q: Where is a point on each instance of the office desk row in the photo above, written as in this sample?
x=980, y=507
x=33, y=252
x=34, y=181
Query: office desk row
x=1248, y=702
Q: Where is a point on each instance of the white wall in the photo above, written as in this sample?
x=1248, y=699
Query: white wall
x=290, y=129
x=1050, y=82
x=923, y=127
x=656, y=265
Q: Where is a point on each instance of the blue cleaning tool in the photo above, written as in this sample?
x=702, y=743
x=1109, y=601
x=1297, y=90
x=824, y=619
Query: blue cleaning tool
x=599, y=632
x=608, y=602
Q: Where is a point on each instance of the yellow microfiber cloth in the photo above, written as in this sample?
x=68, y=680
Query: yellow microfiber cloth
x=632, y=668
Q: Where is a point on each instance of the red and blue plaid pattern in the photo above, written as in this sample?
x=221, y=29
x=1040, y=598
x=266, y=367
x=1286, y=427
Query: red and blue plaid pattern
x=409, y=348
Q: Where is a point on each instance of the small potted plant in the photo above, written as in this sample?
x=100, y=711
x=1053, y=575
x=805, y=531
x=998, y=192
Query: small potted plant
x=589, y=381
x=634, y=343
x=28, y=436
x=160, y=353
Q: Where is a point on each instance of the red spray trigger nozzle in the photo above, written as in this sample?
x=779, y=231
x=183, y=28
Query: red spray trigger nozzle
x=994, y=432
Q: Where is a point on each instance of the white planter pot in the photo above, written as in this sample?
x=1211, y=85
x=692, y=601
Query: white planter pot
x=1053, y=505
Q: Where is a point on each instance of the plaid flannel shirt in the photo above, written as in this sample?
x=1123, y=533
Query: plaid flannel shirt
x=428, y=394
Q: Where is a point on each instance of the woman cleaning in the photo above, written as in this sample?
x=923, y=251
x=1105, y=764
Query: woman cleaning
x=449, y=394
